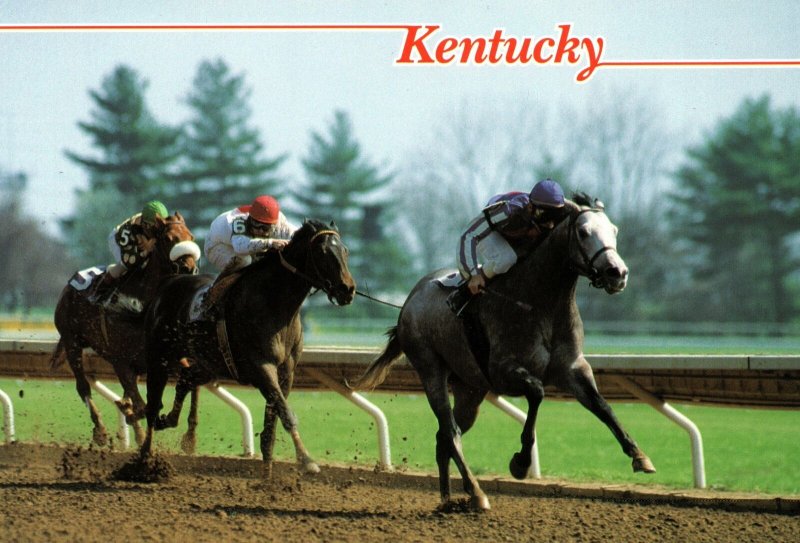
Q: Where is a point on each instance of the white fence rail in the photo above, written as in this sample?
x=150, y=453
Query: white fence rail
x=732, y=380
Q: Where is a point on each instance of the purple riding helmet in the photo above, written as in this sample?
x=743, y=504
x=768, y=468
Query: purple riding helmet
x=547, y=193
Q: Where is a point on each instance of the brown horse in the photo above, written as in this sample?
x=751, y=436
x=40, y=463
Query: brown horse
x=533, y=338
x=255, y=335
x=113, y=328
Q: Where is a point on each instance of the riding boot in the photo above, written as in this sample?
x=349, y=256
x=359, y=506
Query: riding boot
x=458, y=299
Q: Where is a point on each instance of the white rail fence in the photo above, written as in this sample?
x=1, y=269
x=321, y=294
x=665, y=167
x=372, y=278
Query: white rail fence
x=731, y=380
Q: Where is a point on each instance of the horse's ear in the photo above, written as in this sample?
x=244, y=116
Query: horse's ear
x=333, y=225
x=179, y=216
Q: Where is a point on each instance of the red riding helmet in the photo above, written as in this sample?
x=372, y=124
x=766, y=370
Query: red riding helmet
x=264, y=209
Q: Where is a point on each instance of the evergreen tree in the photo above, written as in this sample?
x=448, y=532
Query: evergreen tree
x=738, y=207
x=223, y=166
x=135, y=153
x=343, y=186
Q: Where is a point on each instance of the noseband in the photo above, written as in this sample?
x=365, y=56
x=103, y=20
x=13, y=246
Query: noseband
x=586, y=267
x=165, y=253
x=317, y=282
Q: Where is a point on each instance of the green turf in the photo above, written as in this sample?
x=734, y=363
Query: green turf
x=745, y=449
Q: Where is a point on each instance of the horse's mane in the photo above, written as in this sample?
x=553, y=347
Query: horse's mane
x=583, y=199
x=579, y=201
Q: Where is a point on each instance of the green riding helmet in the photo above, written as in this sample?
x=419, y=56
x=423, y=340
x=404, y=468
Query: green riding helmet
x=153, y=209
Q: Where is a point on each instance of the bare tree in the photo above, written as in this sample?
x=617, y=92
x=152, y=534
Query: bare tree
x=615, y=148
x=623, y=153
x=475, y=151
x=620, y=150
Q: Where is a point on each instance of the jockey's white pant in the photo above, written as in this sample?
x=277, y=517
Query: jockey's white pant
x=495, y=256
x=221, y=255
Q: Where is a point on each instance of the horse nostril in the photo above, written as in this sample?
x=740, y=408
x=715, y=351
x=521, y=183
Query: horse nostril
x=616, y=273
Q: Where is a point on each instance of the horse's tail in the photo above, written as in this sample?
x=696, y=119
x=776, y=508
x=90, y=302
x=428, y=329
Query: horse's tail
x=59, y=355
x=376, y=373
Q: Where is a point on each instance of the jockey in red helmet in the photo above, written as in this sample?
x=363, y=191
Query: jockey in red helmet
x=238, y=235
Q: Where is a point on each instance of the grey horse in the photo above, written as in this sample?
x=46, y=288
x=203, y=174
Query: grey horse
x=533, y=335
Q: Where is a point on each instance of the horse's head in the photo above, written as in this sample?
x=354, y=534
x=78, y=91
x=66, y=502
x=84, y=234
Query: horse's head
x=325, y=260
x=593, y=246
x=175, y=245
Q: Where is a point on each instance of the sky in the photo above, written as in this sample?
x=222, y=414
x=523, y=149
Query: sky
x=300, y=77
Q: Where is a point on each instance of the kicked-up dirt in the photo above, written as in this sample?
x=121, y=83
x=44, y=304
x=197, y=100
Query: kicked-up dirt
x=51, y=494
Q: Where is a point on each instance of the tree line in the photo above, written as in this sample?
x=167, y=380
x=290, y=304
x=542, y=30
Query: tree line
x=710, y=232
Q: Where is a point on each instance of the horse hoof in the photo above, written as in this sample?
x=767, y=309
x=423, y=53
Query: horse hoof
x=311, y=467
x=479, y=503
x=643, y=464
x=188, y=443
x=100, y=437
x=518, y=466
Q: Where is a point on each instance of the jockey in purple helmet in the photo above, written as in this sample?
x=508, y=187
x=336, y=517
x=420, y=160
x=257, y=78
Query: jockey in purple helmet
x=485, y=249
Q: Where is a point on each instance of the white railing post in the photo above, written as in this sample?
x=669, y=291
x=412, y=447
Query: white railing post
x=122, y=424
x=8, y=417
x=698, y=461
x=381, y=424
x=244, y=414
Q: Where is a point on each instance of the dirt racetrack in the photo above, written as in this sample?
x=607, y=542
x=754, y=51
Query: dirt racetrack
x=52, y=494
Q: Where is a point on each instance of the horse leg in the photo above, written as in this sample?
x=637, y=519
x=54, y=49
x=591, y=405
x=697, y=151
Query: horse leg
x=466, y=403
x=189, y=439
x=448, y=438
x=271, y=390
x=534, y=393
x=582, y=384
x=131, y=404
x=75, y=359
x=267, y=438
x=187, y=382
x=156, y=383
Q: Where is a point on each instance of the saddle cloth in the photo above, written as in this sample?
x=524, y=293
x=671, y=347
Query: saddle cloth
x=84, y=279
x=449, y=281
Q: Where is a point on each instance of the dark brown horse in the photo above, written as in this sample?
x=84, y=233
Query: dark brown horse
x=114, y=328
x=254, y=336
x=534, y=335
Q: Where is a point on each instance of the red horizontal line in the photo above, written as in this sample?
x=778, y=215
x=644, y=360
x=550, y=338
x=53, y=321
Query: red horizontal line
x=697, y=63
x=92, y=27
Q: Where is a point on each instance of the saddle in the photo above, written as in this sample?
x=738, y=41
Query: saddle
x=209, y=307
x=95, y=285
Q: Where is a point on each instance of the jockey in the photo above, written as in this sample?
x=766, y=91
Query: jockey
x=132, y=241
x=484, y=249
x=238, y=235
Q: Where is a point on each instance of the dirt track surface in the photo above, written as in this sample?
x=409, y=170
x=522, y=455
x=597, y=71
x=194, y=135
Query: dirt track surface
x=50, y=494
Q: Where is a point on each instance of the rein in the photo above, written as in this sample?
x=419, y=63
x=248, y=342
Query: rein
x=316, y=283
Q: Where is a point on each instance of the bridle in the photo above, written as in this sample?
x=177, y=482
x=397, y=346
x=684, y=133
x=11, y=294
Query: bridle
x=164, y=252
x=586, y=266
x=317, y=281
